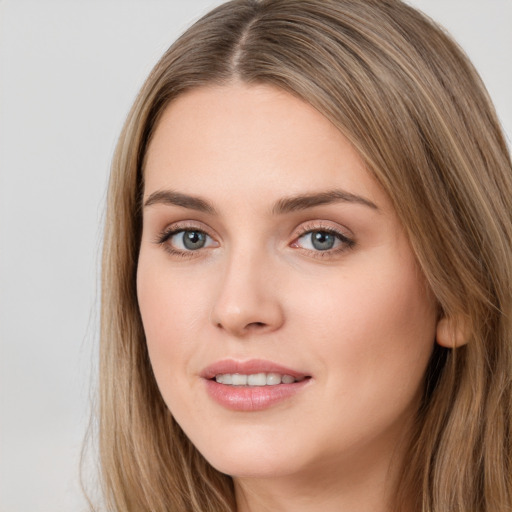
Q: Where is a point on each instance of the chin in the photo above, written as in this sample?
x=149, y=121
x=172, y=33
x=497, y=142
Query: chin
x=260, y=468
x=252, y=458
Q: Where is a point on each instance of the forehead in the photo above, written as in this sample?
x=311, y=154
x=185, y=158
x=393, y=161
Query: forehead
x=251, y=137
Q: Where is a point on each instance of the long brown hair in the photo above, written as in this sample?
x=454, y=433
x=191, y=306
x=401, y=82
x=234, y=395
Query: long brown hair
x=408, y=99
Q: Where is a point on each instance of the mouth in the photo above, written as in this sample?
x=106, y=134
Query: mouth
x=255, y=385
x=256, y=379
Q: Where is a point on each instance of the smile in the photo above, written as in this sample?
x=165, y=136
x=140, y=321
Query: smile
x=253, y=385
x=256, y=379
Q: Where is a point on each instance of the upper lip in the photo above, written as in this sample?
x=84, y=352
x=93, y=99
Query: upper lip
x=248, y=367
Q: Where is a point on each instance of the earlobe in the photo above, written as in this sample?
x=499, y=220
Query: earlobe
x=452, y=333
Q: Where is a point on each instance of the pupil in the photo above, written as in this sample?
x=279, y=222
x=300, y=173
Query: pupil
x=194, y=239
x=322, y=240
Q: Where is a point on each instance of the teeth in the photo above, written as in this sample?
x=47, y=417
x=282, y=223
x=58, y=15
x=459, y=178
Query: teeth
x=258, y=379
x=273, y=379
x=239, y=379
x=255, y=379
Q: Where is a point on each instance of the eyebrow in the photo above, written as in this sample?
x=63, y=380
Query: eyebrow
x=173, y=198
x=305, y=201
x=283, y=206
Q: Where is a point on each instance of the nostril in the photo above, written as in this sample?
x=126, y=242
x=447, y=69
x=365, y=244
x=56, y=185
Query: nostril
x=256, y=325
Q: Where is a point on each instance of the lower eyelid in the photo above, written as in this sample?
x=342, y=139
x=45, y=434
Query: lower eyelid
x=165, y=239
x=344, y=244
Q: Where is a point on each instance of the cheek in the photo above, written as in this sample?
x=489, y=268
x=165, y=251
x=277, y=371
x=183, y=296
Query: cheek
x=171, y=309
x=167, y=316
x=377, y=325
x=393, y=313
x=167, y=297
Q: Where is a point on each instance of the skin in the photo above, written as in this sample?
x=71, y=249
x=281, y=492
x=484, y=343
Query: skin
x=357, y=318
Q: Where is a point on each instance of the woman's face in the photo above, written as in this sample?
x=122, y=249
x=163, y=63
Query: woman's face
x=271, y=259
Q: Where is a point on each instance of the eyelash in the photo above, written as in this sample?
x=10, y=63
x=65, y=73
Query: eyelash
x=168, y=233
x=346, y=242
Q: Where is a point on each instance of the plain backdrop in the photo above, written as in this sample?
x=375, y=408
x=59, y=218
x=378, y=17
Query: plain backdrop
x=69, y=71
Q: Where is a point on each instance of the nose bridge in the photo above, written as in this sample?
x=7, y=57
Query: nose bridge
x=247, y=299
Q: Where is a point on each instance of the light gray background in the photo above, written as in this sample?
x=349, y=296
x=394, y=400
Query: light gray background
x=69, y=71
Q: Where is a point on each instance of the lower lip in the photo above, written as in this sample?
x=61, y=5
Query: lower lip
x=252, y=398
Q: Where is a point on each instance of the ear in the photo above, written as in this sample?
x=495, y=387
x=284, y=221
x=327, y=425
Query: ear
x=452, y=333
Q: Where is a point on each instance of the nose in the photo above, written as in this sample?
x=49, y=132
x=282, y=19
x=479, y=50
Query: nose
x=248, y=300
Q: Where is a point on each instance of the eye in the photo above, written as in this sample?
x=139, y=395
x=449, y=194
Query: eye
x=189, y=240
x=323, y=240
x=319, y=240
x=181, y=240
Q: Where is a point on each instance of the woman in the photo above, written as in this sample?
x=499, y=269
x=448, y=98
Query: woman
x=307, y=274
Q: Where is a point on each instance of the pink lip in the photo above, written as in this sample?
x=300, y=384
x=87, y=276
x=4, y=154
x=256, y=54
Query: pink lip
x=248, y=367
x=255, y=398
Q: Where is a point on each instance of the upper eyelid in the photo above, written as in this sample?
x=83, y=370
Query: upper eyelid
x=164, y=237
x=302, y=229
x=312, y=229
x=322, y=225
x=187, y=226
x=343, y=238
